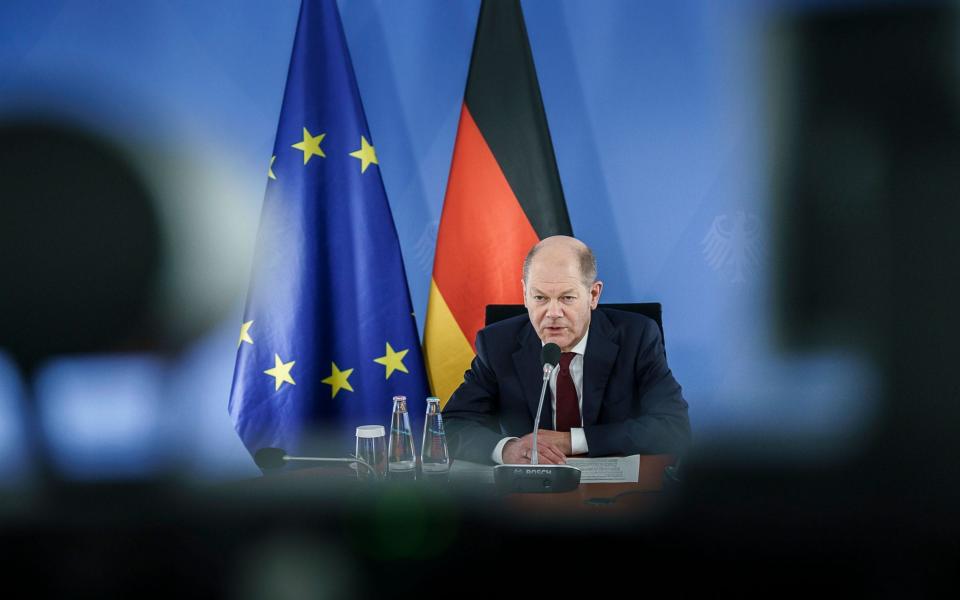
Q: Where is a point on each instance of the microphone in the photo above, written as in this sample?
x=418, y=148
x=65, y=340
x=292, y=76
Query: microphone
x=271, y=459
x=550, y=354
x=549, y=358
x=536, y=477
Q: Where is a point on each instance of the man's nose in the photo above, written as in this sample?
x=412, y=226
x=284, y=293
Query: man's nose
x=554, y=310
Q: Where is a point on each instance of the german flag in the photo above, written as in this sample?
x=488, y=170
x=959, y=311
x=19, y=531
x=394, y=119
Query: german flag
x=503, y=194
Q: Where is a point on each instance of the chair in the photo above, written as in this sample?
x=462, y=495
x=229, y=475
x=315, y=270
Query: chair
x=653, y=310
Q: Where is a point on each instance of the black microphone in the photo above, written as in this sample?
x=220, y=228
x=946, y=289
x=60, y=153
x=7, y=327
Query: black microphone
x=271, y=459
x=536, y=477
x=550, y=355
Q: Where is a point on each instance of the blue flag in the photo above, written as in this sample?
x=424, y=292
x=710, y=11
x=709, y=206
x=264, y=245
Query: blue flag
x=328, y=336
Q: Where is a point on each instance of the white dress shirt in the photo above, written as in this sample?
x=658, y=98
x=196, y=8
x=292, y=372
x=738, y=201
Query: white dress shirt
x=578, y=440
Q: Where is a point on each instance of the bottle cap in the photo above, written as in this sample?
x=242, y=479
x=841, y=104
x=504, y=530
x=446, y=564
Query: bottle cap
x=433, y=399
x=370, y=431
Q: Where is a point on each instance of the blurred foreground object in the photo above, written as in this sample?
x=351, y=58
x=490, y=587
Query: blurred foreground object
x=868, y=184
x=80, y=253
x=79, y=245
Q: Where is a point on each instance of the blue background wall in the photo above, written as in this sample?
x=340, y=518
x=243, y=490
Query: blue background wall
x=660, y=116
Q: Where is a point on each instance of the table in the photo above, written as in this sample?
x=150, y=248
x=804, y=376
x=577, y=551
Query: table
x=602, y=498
x=471, y=486
x=595, y=498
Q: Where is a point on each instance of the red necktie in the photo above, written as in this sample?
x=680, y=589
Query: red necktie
x=568, y=407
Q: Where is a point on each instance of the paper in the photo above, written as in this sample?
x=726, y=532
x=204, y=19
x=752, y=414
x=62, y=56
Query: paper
x=608, y=470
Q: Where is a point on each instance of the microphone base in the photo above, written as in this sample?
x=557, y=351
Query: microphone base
x=527, y=479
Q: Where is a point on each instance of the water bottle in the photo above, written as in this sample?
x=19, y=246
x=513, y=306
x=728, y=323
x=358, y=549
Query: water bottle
x=434, y=460
x=401, y=459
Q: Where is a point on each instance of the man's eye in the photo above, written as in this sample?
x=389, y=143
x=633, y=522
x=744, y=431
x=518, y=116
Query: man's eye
x=569, y=298
x=538, y=298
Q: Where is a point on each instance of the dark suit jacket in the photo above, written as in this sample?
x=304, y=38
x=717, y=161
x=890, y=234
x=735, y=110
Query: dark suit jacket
x=631, y=402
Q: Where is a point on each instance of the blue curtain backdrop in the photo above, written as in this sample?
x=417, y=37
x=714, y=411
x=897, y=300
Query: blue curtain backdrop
x=658, y=116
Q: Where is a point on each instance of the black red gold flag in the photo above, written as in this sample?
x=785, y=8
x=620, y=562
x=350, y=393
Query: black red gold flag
x=503, y=194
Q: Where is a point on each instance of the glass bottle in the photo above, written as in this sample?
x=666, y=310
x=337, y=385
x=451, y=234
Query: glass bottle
x=434, y=459
x=401, y=457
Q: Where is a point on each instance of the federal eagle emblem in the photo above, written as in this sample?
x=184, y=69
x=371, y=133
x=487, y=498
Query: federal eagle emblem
x=732, y=246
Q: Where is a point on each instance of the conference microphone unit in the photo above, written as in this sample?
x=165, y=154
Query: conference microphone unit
x=271, y=459
x=536, y=477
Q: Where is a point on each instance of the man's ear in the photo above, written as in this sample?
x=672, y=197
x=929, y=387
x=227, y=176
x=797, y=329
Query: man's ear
x=523, y=288
x=595, y=290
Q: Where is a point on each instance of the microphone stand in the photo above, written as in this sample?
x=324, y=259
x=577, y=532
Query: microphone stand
x=352, y=460
x=535, y=477
x=271, y=459
x=547, y=373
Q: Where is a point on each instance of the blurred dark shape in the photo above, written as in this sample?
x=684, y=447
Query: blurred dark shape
x=869, y=207
x=269, y=459
x=80, y=251
x=79, y=245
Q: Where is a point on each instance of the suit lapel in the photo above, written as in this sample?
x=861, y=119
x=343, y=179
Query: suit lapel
x=598, y=360
x=526, y=360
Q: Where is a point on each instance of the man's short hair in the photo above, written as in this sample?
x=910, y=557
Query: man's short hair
x=588, y=264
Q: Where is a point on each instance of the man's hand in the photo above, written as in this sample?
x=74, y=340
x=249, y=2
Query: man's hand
x=518, y=452
x=559, y=439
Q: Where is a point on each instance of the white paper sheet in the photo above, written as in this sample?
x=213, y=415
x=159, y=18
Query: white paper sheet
x=608, y=470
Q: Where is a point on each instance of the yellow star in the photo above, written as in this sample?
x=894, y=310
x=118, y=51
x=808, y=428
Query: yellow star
x=366, y=154
x=245, y=333
x=393, y=361
x=281, y=372
x=338, y=380
x=270, y=168
x=310, y=145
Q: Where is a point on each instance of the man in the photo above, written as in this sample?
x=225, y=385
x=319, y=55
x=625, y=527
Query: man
x=613, y=393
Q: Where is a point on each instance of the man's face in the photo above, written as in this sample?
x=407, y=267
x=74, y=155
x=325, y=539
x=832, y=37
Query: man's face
x=557, y=301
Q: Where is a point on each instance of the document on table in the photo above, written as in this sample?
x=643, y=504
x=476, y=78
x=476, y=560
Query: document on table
x=608, y=470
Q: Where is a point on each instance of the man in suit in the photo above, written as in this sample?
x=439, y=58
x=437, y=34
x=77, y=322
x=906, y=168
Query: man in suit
x=613, y=392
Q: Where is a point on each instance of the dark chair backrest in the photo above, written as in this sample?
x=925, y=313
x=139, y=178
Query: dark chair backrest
x=653, y=310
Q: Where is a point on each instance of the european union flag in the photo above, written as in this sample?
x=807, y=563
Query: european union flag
x=328, y=337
